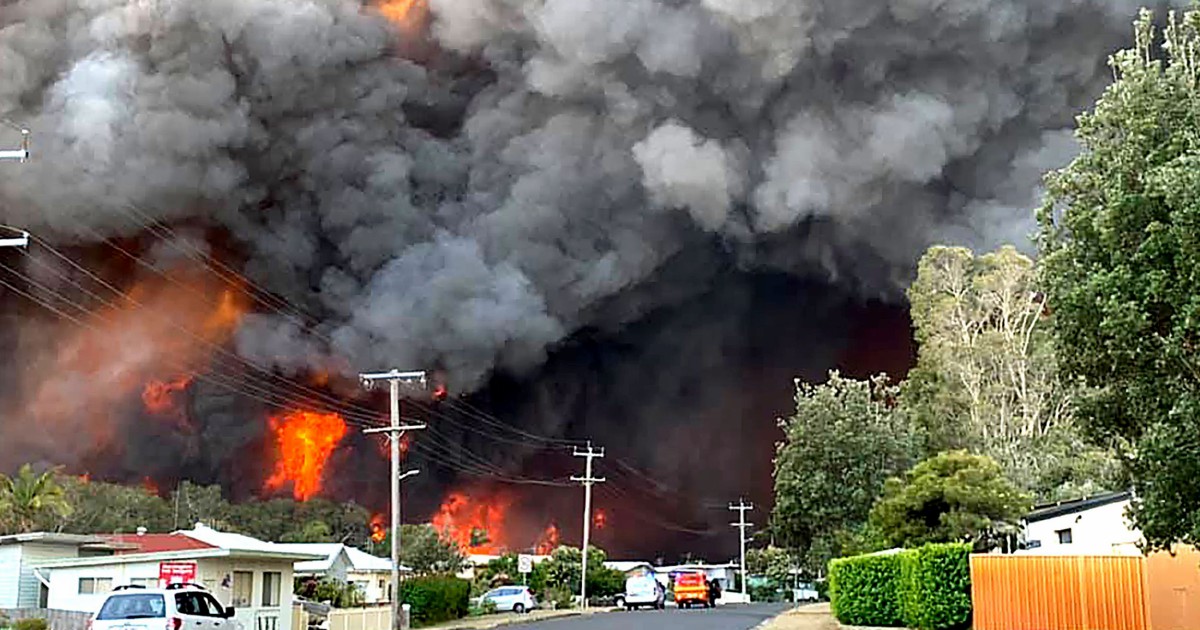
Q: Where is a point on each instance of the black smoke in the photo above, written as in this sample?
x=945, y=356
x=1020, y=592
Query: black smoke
x=637, y=215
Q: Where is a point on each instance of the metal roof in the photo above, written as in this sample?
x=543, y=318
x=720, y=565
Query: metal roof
x=1061, y=508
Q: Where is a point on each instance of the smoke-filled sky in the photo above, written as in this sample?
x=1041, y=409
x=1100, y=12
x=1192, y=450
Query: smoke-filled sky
x=473, y=187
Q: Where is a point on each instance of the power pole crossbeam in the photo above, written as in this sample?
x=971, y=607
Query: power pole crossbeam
x=394, y=432
x=741, y=508
x=587, y=480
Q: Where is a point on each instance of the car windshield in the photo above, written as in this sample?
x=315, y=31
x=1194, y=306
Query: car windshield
x=133, y=606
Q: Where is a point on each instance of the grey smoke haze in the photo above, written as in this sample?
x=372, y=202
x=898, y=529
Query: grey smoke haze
x=578, y=146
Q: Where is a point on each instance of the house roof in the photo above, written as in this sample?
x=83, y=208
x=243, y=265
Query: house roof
x=156, y=543
x=625, y=566
x=52, y=538
x=359, y=561
x=207, y=543
x=1073, y=506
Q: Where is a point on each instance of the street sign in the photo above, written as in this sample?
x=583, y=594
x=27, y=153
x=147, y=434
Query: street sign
x=176, y=573
x=524, y=563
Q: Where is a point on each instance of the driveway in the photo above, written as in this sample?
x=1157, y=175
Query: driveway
x=732, y=617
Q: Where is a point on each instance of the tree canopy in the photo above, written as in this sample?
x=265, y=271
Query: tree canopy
x=950, y=497
x=29, y=497
x=1120, y=242
x=987, y=379
x=844, y=440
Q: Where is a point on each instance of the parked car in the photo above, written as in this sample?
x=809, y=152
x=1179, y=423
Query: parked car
x=518, y=599
x=186, y=608
x=642, y=590
x=805, y=592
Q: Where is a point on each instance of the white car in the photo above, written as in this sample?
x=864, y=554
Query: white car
x=515, y=598
x=178, y=608
x=642, y=590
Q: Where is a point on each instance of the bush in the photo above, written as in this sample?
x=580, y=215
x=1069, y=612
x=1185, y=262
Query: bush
x=33, y=623
x=935, y=590
x=436, y=598
x=558, y=598
x=863, y=590
x=928, y=588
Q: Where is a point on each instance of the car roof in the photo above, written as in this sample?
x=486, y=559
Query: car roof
x=156, y=591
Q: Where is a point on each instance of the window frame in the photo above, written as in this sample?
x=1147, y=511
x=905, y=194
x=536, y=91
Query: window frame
x=1065, y=533
x=96, y=582
x=249, y=601
x=272, y=597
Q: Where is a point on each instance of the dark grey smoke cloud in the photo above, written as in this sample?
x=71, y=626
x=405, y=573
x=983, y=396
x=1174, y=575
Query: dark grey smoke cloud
x=535, y=177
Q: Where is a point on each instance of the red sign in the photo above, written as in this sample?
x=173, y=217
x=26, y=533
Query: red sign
x=176, y=573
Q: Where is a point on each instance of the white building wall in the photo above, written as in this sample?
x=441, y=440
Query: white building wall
x=10, y=575
x=212, y=574
x=1103, y=530
x=30, y=589
x=374, y=585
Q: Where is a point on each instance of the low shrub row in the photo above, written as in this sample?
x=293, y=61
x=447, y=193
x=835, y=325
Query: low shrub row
x=436, y=598
x=928, y=588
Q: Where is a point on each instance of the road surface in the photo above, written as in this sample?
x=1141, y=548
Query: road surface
x=733, y=617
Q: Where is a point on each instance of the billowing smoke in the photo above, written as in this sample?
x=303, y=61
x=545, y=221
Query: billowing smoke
x=539, y=167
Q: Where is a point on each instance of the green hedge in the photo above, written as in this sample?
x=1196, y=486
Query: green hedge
x=863, y=590
x=927, y=588
x=935, y=593
x=436, y=598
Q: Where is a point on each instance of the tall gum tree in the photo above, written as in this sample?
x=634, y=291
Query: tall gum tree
x=1120, y=242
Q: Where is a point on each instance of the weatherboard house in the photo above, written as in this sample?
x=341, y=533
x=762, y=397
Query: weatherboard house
x=253, y=576
x=372, y=575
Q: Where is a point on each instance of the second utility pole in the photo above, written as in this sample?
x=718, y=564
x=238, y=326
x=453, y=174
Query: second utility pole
x=587, y=480
x=741, y=508
x=394, y=432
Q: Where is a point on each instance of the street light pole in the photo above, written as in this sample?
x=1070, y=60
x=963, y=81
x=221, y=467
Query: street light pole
x=394, y=432
x=21, y=154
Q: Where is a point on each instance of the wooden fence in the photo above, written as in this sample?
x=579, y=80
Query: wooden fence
x=365, y=618
x=56, y=619
x=1026, y=592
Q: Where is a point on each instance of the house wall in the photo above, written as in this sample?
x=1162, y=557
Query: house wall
x=30, y=589
x=375, y=585
x=1102, y=530
x=10, y=575
x=212, y=574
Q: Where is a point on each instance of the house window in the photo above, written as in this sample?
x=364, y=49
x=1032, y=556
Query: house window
x=1064, y=536
x=243, y=588
x=144, y=582
x=271, y=583
x=94, y=586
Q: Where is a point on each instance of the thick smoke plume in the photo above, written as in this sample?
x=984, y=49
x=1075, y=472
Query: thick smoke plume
x=538, y=166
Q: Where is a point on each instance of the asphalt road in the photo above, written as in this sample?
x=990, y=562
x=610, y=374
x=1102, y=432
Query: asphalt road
x=733, y=617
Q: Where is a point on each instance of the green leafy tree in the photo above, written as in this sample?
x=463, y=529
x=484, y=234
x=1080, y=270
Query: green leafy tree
x=1120, y=243
x=426, y=550
x=845, y=439
x=987, y=379
x=28, y=497
x=561, y=571
x=99, y=507
x=951, y=497
x=773, y=563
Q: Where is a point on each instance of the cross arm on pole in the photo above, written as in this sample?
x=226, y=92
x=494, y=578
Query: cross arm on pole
x=401, y=428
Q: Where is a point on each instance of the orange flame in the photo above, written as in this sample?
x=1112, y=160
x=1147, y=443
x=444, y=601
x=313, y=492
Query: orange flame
x=599, y=519
x=410, y=15
x=378, y=528
x=462, y=518
x=85, y=478
x=548, y=542
x=304, y=440
x=385, y=446
x=440, y=391
x=149, y=486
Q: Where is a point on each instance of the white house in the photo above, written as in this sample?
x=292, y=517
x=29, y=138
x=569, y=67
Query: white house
x=1094, y=525
x=253, y=576
x=371, y=574
x=19, y=587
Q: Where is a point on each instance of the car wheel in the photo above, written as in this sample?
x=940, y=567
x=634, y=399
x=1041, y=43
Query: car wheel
x=620, y=602
x=519, y=608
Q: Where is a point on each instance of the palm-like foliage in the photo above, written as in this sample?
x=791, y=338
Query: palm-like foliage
x=27, y=497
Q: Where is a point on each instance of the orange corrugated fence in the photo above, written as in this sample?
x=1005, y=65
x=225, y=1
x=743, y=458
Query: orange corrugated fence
x=1059, y=593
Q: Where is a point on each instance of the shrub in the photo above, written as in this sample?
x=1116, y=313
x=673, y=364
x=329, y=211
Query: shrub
x=436, y=598
x=936, y=594
x=863, y=590
x=33, y=623
x=907, y=596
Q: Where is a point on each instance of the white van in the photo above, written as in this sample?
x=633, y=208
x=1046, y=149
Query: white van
x=642, y=590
